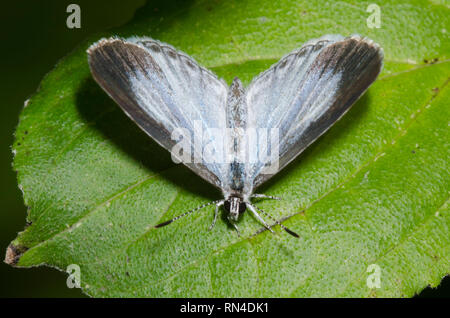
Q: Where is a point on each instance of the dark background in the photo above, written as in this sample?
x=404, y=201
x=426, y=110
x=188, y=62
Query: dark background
x=34, y=37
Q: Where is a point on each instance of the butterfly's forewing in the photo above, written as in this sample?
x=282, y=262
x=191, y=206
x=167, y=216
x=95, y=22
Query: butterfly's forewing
x=161, y=89
x=307, y=91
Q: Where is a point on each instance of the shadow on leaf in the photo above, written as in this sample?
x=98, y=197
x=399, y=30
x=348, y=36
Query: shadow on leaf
x=99, y=111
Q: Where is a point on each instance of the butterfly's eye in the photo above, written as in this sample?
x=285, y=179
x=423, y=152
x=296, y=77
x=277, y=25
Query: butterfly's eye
x=234, y=206
x=226, y=205
x=242, y=207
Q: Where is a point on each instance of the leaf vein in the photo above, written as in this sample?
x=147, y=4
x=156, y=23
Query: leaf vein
x=97, y=207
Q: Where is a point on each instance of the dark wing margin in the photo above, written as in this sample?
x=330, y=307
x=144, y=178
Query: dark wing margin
x=112, y=62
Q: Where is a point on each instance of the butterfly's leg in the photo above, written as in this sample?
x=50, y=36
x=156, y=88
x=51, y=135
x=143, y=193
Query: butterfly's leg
x=253, y=210
x=236, y=228
x=278, y=222
x=216, y=213
x=265, y=196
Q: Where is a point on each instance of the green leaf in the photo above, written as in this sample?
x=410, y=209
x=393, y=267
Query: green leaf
x=373, y=190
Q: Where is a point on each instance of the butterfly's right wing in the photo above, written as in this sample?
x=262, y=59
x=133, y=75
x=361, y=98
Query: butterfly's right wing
x=306, y=92
x=161, y=89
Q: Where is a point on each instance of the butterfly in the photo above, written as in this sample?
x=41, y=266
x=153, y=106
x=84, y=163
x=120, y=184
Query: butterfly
x=298, y=99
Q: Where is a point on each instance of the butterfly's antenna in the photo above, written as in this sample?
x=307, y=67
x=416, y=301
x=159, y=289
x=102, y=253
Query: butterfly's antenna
x=187, y=213
x=260, y=219
x=263, y=196
x=278, y=222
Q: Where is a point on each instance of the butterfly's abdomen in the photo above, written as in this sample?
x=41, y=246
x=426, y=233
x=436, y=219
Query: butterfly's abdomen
x=237, y=117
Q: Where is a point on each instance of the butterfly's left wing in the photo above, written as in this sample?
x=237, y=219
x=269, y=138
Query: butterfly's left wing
x=162, y=89
x=306, y=92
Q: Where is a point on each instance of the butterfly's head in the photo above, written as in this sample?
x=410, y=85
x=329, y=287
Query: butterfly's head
x=234, y=206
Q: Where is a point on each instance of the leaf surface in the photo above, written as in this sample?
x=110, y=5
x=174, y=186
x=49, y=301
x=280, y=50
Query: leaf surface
x=372, y=190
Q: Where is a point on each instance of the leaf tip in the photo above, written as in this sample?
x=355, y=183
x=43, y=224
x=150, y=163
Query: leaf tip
x=13, y=254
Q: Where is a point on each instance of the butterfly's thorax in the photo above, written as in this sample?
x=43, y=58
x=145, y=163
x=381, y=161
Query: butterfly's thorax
x=237, y=120
x=235, y=206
